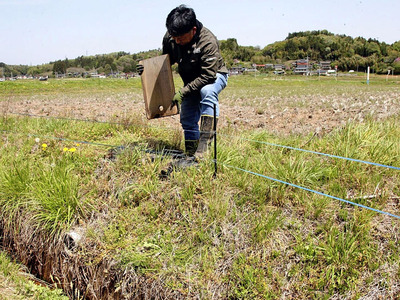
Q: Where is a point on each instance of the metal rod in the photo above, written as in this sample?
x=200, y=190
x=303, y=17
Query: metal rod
x=215, y=140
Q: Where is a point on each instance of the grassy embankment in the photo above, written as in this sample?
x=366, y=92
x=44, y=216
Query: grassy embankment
x=16, y=283
x=237, y=236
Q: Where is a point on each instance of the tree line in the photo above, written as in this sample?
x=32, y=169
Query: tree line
x=343, y=51
x=112, y=63
x=321, y=45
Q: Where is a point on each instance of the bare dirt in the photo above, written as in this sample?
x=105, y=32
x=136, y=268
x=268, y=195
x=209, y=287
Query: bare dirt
x=304, y=114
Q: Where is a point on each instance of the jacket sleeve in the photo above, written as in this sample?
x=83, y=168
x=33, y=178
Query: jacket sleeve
x=209, y=68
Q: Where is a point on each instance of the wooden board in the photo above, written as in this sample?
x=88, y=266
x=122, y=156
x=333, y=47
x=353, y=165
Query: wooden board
x=158, y=87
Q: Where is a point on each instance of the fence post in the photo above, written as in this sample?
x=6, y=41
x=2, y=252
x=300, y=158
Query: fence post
x=215, y=140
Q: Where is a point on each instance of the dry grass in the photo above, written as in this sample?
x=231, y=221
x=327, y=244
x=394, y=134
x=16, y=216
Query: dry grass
x=236, y=236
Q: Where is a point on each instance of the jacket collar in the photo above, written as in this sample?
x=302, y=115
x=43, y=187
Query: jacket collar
x=199, y=26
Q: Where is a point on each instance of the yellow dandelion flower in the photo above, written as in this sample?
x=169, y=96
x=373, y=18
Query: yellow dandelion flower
x=44, y=145
x=65, y=149
x=72, y=150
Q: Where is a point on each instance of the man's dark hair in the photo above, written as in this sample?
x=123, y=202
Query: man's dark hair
x=180, y=20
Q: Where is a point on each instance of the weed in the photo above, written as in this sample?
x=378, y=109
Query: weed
x=18, y=285
x=235, y=236
x=347, y=252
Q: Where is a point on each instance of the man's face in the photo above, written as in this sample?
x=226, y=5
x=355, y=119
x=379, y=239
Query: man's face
x=186, y=38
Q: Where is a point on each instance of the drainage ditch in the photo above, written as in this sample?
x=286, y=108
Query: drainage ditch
x=62, y=263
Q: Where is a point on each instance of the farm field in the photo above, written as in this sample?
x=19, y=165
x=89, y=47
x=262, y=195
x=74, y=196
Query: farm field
x=83, y=204
x=283, y=105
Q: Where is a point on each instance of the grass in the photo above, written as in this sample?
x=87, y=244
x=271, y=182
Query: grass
x=71, y=86
x=15, y=283
x=266, y=92
x=238, y=236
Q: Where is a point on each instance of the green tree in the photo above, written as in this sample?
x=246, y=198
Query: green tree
x=396, y=46
x=292, y=47
x=371, y=48
x=107, y=69
x=60, y=67
x=126, y=64
x=230, y=44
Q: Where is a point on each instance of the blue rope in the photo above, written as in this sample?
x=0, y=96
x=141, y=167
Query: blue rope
x=72, y=141
x=250, y=140
x=229, y=166
x=61, y=139
x=164, y=152
x=313, y=191
x=93, y=121
x=324, y=154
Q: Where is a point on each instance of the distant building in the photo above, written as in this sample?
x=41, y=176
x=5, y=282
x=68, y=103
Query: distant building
x=302, y=67
x=325, y=65
x=269, y=66
x=236, y=70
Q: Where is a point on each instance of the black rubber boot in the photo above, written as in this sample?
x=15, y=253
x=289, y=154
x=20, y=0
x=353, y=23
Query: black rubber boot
x=206, y=135
x=191, y=147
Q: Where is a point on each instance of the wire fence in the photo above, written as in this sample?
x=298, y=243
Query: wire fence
x=178, y=154
x=323, y=154
x=220, y=134
x=312, y=191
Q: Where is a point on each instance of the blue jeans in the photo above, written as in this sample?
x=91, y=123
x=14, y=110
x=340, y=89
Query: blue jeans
x=201, y=104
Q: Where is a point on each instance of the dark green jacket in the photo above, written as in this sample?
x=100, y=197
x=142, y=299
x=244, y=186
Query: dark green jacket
x=198, y=62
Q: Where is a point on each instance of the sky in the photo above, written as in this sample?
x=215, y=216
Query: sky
x=35, y=32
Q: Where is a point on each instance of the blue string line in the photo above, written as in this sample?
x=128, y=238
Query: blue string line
x=313, y=191
x=250, y=140
x=324, y=154
x=72, y=141
x=62, y=139
x=94, y=121
x=229, y=166
x=163, y=152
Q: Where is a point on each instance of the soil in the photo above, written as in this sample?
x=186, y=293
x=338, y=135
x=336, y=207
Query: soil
x=301, y=115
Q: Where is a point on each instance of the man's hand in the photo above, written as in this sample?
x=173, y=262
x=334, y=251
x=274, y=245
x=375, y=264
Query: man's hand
x=178, y=97
x=139, y=69
x=177, y=100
